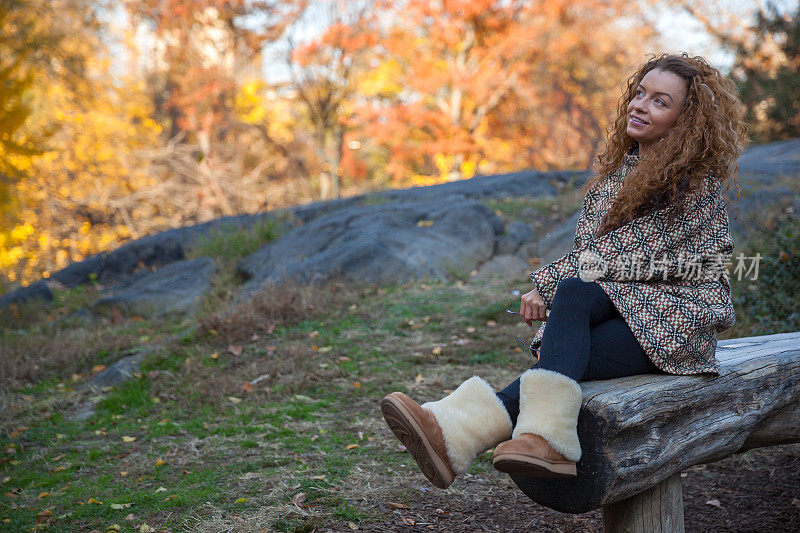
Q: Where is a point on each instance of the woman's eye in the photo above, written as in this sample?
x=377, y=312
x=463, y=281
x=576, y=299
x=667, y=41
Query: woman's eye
x=659, y=101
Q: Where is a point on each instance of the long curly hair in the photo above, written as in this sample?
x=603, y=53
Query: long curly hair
x=706, y=140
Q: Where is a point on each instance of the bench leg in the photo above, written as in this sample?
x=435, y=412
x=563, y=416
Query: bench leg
x=657, y=510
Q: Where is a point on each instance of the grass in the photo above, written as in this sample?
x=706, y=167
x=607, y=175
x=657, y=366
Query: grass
x=261, y=414
x=230, y=242
x=189, y=443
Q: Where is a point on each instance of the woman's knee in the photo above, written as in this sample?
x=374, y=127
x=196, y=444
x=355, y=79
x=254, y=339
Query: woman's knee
x=575, y=289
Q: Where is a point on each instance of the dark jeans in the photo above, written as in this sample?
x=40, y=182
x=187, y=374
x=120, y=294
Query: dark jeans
x=585, y=339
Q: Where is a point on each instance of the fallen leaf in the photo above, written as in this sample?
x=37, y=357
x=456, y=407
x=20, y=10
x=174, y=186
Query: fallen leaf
x=241, y=500
x=424, y=223
x=399, y=505
x=170, y=497
x=120, y=505
x=126, y=438
x=93, y=500
x=161, y=489
x=98, y=368
x=234, y=399
x=471, y=329
x=247, y=387
x=318, y=477
x=715, y=503
x=17, y=432
x=344, y=359
x=418, y=379
x=123, y=473
x=408, y=521
x=44, y=495
x=313, y=334
x=437, y=351
x=57, y=458
x=130, y=517
x=146, y=529
x=113, y=527
x=491, y=323
x=352, y=526
x=215, y=355
x=352, y=446
x=159, y=462
x=357, y=385
x=325, y=349
x=299, y=498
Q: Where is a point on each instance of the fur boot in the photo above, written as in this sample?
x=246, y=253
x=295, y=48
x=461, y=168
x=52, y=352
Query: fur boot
x=444, y=437
x=545, y=439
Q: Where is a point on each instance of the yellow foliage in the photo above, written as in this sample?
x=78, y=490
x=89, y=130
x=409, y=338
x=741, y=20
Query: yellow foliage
x=66, y=203
x=380, y=81
x=254, y=105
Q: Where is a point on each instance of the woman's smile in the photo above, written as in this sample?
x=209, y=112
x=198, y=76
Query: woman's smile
x=636, y=121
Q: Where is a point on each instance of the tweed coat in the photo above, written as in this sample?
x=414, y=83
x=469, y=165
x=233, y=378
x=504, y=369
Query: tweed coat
x=668, y=281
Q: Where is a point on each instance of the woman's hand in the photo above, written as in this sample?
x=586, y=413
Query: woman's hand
x=532, y=307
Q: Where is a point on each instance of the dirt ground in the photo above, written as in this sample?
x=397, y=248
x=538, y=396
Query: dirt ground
x=752, y=492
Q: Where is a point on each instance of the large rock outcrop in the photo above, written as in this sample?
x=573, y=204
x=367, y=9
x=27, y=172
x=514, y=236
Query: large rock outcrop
x=384, y=243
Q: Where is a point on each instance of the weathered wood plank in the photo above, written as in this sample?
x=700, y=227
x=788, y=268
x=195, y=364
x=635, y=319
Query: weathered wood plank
x=638, y=431
x=656, y=510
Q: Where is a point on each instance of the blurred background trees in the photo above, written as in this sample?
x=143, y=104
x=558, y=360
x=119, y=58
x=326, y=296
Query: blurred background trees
x=119, y=119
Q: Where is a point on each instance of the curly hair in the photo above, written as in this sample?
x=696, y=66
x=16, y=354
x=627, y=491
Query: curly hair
x=706, y=140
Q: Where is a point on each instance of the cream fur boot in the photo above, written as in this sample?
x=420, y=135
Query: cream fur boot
x=545, y=439
x=549, y=404
x=473, y=419
x=444, y=437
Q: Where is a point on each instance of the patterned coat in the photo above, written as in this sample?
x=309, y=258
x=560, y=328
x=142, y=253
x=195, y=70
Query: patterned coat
x=667, y=281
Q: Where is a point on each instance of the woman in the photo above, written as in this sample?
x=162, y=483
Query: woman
x=643, y=289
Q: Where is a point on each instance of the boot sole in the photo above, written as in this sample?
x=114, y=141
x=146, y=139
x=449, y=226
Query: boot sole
x=524, y=465
x=405, y=427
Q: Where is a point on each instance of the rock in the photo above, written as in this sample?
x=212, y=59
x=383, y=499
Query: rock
x=175, y=288
x=151, y=251
x=503, y=267
x=527, y=183
x=558, y=241
x=119, y=372
x=516, y=234
x=386, y=243
x=33, y=291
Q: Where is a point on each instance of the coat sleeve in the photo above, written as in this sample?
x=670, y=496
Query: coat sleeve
x=697, y=245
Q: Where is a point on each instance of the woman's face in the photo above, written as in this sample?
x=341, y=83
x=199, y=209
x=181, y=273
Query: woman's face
x=656, y=106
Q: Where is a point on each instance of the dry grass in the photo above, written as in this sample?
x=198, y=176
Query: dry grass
x=274, y=306
x=35, y=355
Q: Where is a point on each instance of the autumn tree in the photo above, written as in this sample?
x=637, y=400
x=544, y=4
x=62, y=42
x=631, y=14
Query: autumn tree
x=769, y=76
x=766, y=42
x=85, y=125
x=323, y=80
x=491, y=86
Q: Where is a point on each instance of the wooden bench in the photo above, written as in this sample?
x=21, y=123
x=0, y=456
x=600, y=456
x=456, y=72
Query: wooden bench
x=638, y=433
